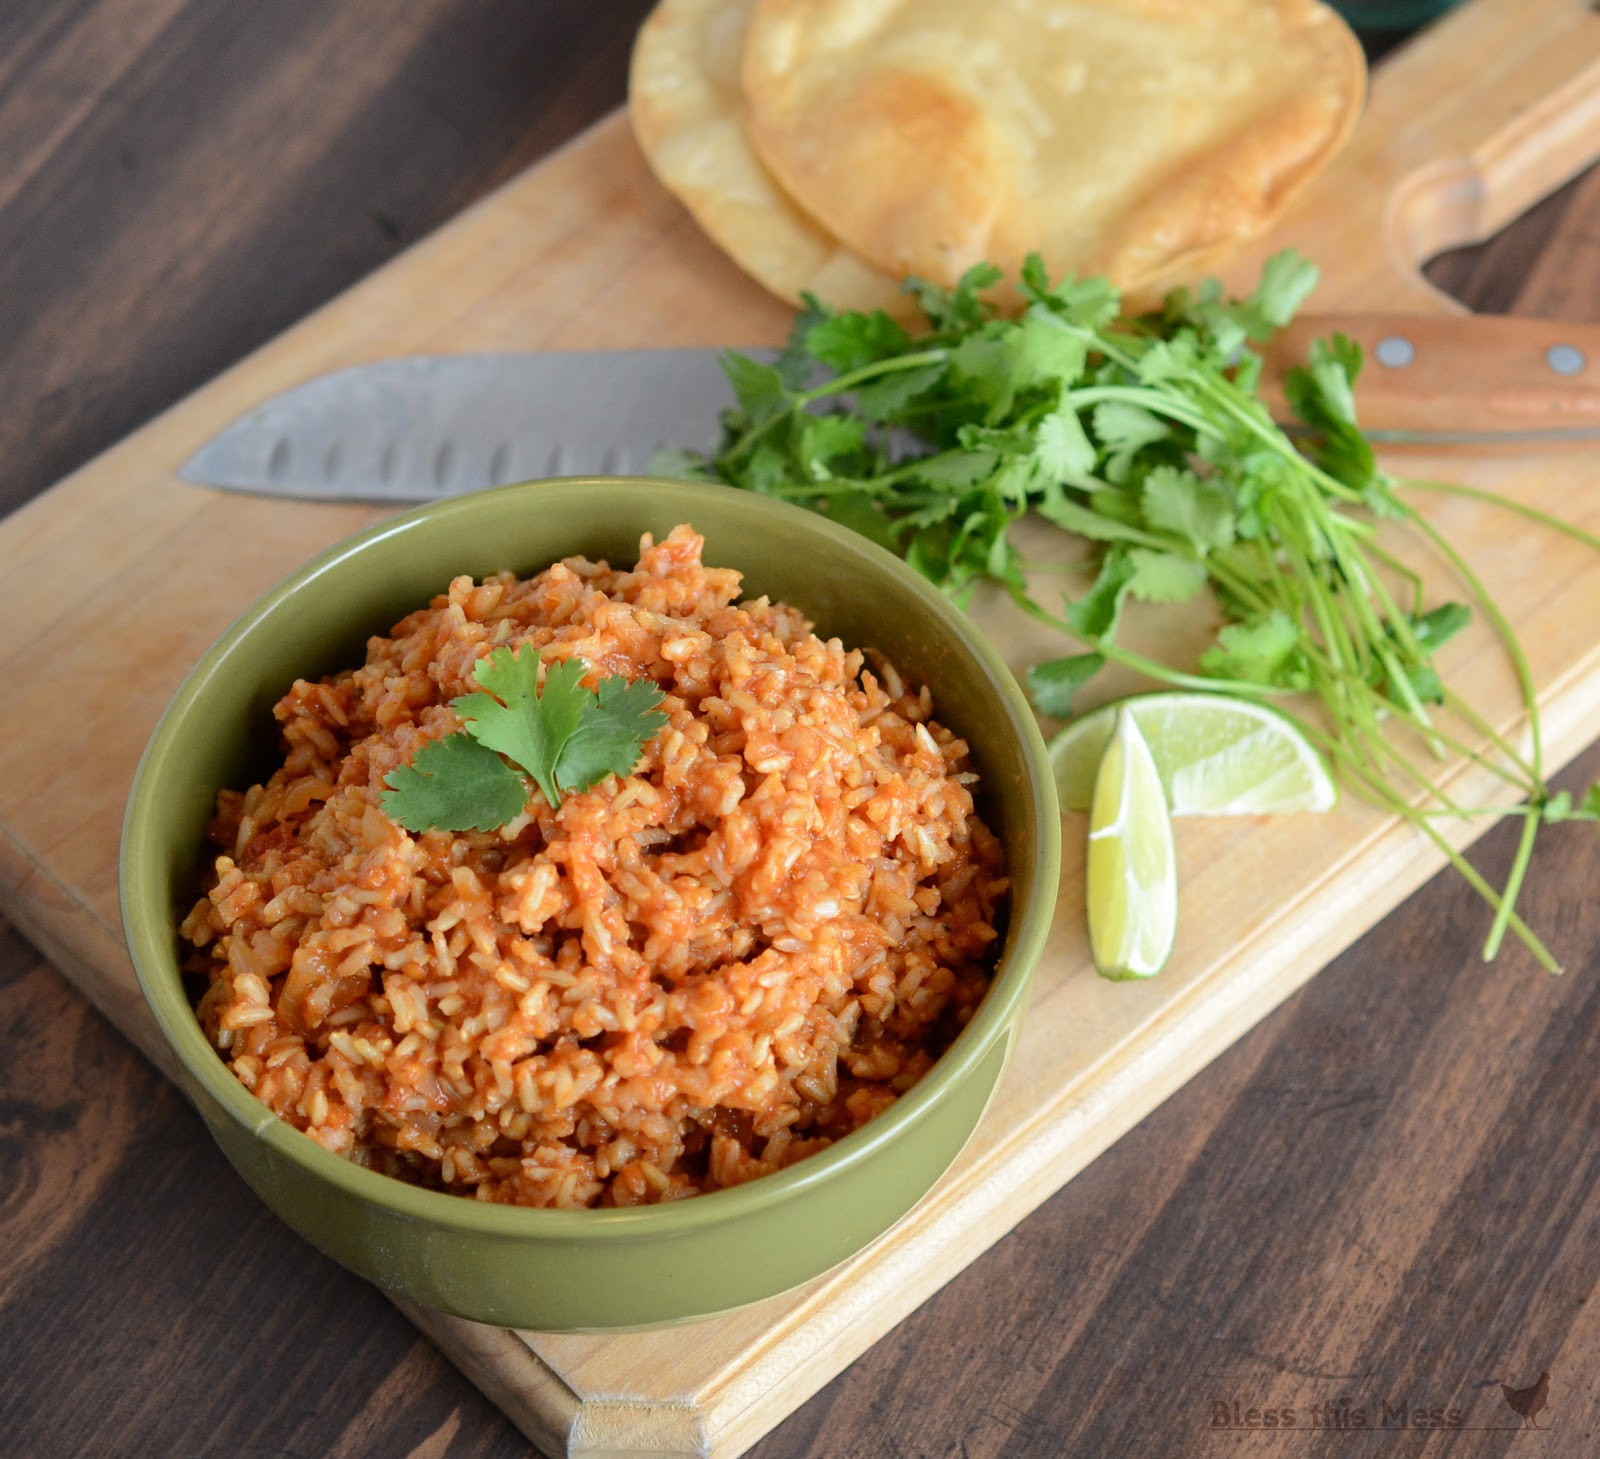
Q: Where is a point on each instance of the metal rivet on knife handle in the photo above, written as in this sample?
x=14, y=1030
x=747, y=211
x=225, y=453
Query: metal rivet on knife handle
x=1395, y=351
x=1565, y=359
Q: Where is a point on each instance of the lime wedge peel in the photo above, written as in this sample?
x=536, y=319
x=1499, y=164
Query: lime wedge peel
x=1131, y=877
x=1215, y=755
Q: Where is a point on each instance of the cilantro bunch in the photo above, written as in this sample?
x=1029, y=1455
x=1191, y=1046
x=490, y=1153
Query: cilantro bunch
x=566, y=738
x=1147, y=436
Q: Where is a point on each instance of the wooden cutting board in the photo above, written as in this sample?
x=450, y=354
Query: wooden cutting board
x=112, y=584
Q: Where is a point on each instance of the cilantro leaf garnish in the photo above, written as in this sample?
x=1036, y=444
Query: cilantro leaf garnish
x=566, y=738
x=846, y=342
x=528, y=727
x=1093, y=618
x=1165, y=577
x=619, y=719
x=454, y=784
x=1054, y=684
x=1200, y=512
x=1264, y=650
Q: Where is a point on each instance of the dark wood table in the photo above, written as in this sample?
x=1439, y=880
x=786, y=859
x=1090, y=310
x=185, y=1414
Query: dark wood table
x=1388, y=1194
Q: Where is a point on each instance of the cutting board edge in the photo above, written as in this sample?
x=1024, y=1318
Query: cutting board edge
x=513, y=1377
x=63, y=926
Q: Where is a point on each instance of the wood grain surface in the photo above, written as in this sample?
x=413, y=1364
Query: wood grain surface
x=1414, y=1130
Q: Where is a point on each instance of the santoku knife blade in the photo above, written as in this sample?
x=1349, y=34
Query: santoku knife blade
x=421, y=427
x=425, y=426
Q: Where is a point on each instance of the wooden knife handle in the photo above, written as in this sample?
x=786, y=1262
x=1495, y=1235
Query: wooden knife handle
x=1467, y=375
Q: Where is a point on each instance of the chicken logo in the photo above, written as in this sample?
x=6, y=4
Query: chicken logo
x=1527, y=1401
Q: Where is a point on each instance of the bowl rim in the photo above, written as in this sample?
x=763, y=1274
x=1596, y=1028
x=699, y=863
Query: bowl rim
x=150, y=929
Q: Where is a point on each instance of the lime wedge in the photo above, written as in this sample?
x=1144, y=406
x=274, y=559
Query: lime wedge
x=1132, y=876
x=1216, y=755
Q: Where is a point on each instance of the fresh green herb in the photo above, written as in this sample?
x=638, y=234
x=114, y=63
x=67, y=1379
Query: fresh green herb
x=454, y=784
x=565, y=739
x=1147, y=436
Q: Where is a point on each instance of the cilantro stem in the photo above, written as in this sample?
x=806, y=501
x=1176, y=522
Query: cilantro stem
x=743, y=446
x=1381, y=794
x=1270, y=435
x=1102, y=342
x=842, y=383
x=1241, y=588
x=1145, y=399
x=1480, y=812
x=1137, y=662
x=1381, y=750
x=1397, y=621
x=1362, y=702
x=1400, y=686
x=1513, y=887
x=829, y=388
x=1393, y=563
x=1458, y=747
x=1510, y=504
x=1507, y=634
x=1530, y=700
x=1459, y=706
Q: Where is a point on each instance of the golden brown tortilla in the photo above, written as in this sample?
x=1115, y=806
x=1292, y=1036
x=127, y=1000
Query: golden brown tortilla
x=688, y=114
x=1141, y=139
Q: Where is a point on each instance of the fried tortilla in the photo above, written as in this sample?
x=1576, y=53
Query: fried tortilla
x=1140, y=139
x=688, y=111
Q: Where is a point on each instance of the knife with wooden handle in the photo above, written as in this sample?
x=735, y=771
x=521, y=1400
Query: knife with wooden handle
x=1459, y=380
x=426, y=426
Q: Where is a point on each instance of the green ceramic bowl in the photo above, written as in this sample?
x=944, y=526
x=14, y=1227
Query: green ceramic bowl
x=585, y=1270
